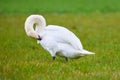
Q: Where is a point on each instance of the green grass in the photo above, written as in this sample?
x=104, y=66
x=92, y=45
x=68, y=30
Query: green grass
x=61, y=6
x=22, y=59
x=95, y=22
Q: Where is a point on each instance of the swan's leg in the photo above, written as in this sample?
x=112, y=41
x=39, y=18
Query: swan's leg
x=53, y=58
x=52, y=54
x=66, y=58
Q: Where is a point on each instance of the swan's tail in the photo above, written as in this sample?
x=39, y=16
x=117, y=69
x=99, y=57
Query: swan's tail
x=85, y=52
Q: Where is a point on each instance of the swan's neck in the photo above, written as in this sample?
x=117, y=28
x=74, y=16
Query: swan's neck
x=39, y=23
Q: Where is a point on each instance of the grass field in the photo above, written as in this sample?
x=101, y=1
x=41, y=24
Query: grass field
x=59, y=6
x=21, y=58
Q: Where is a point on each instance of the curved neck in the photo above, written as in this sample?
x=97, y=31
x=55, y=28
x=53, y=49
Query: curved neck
x=39, y=22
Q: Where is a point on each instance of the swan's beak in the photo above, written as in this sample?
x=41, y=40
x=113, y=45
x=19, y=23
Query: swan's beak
x=39, y=39
x=38, y=42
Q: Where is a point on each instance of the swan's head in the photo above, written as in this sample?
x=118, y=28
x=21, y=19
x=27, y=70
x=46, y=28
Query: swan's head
x=31, y=21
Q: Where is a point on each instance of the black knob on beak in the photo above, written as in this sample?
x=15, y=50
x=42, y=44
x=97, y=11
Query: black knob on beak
x=39, y=38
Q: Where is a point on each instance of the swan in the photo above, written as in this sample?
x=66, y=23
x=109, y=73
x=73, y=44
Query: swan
x=57, y=40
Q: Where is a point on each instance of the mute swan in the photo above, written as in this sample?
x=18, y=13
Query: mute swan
x=57, y=40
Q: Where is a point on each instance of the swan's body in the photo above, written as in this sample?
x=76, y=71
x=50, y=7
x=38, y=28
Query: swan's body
x=55, y=39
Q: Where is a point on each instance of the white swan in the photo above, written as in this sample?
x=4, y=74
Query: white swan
x=55, y=39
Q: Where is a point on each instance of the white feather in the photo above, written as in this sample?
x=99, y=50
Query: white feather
x=55, y=39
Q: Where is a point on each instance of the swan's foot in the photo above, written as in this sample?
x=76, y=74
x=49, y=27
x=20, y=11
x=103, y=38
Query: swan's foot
x=53, y=58
x=66, y=59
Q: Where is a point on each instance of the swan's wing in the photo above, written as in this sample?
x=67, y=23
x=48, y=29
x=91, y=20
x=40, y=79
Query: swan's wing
x=63, y=35
x=49, y=44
